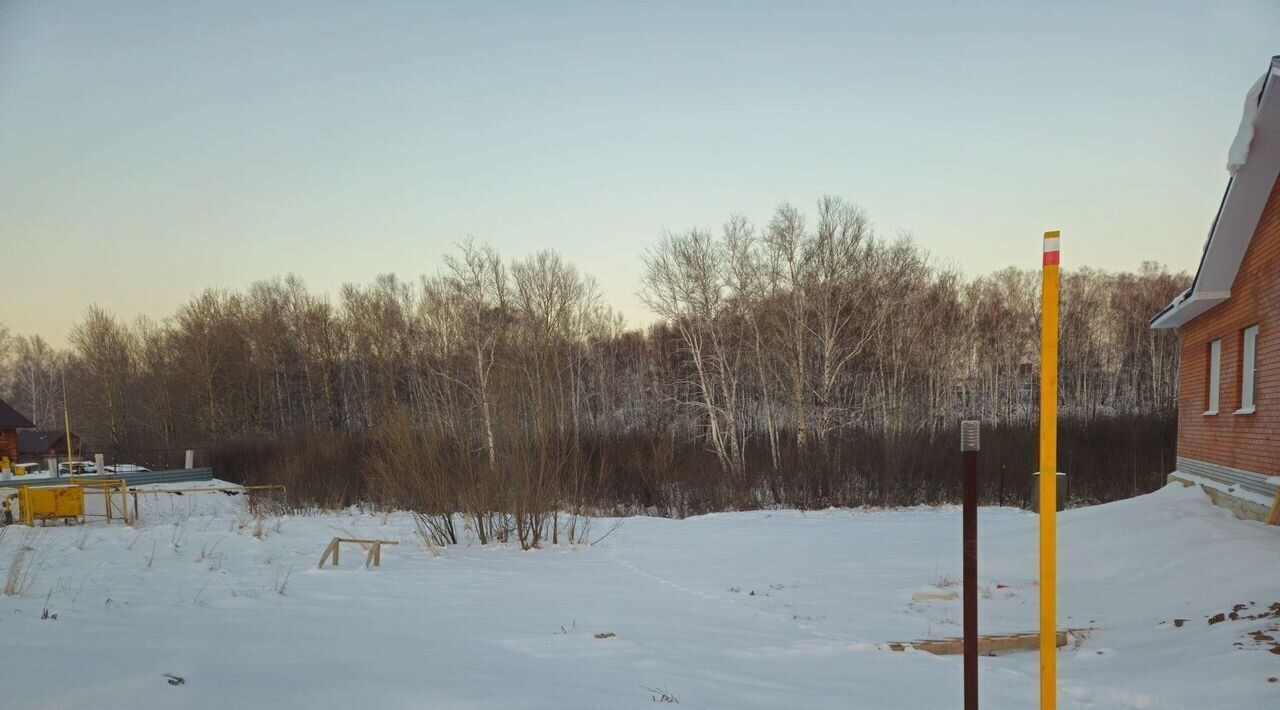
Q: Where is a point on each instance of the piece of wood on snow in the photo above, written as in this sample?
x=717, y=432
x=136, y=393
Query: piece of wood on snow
x=994, y=645
x=331, y=549
x=933, y=595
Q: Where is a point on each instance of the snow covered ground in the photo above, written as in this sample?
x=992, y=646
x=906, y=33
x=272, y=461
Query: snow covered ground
x=772, y=610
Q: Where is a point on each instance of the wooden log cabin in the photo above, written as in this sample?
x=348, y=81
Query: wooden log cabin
x=1229, y=327
x=10, y=422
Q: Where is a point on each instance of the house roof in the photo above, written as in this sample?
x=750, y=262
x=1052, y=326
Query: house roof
x=38, y=442
x=1238, y=215
x=10, y=419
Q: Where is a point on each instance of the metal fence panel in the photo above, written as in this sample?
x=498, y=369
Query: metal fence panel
x=132, y=478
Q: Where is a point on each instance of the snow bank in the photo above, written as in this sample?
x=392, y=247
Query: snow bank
x=156, y=506
x=1230, y=489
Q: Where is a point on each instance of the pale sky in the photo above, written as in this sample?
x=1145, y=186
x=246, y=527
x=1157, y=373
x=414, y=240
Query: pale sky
x=149, y=150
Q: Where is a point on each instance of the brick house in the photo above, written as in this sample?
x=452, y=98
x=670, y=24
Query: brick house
x=10, y=423
x=1229, y=328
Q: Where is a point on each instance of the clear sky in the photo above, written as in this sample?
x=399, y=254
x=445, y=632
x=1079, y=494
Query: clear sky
x=151, y=149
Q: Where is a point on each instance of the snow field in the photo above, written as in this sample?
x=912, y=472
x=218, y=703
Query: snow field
x=766, y=609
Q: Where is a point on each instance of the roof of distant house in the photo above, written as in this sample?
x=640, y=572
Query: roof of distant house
x=10, y=419
x=1254, y=161
x=38, y=442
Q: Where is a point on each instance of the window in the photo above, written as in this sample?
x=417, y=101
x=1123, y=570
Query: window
x=1248, y=369
x=1215, y=369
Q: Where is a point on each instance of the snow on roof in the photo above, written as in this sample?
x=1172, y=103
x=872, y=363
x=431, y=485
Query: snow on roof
x=1254, y=161
x=1238, y=153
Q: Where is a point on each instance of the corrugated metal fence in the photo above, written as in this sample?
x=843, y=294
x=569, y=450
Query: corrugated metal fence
x=132, y=478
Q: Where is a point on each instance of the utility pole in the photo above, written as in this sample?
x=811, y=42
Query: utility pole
x=969, y=430
x=66, y=422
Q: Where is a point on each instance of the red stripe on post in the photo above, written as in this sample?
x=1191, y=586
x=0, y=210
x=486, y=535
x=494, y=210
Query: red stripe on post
x=1051, y=258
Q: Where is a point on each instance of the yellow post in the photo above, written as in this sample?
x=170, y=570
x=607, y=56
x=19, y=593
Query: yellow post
x=66, y=421
x=1049, y=476
x=25, y=502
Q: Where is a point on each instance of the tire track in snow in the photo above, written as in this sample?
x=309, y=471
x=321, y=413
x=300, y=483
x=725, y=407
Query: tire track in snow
x=732, y=603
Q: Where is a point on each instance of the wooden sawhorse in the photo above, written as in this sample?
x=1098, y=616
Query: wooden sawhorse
x=375, y=550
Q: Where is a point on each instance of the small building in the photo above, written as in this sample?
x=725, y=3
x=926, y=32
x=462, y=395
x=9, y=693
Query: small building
x=10, y=422
x=1229, y=327
x=39, y=445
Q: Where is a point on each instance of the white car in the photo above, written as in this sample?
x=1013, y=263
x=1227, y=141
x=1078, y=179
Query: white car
x=126, y=468
x=76, y=468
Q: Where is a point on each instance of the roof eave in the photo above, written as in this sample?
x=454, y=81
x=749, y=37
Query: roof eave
x=1180, y=312
x=1242, y=204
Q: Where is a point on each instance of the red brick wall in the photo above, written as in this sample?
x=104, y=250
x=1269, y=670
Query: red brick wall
x=1249, y=442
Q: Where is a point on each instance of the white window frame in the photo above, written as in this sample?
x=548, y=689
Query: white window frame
x=1215, y=377
x=1248, y=371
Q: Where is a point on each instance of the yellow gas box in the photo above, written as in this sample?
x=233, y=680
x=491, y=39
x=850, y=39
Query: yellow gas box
x=51, y=503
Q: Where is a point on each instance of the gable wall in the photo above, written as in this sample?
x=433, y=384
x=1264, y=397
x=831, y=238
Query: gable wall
x=1247, y=442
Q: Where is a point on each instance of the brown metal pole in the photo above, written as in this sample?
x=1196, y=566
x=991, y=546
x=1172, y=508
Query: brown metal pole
x=969, y=447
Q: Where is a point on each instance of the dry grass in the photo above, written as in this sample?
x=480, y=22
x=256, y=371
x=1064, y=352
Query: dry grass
x=207, y=550
x=24, y=567
x=282, y=580
x=83, y=581
x=179, y=535
x=200, y=598
x=944, y=581
x=13, y=583
x=661, y=695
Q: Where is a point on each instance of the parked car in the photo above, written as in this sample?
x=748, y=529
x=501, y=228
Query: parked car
x=76, y=468
x=126, y=468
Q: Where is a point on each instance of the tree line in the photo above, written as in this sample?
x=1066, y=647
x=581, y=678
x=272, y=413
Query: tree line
x=807, y=361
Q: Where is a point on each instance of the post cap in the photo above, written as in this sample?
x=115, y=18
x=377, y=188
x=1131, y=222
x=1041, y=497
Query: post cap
x=969, y=434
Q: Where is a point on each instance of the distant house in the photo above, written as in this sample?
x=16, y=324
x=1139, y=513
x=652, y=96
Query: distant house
x=39, y=445
x=1229, y=327
x=10, y=423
